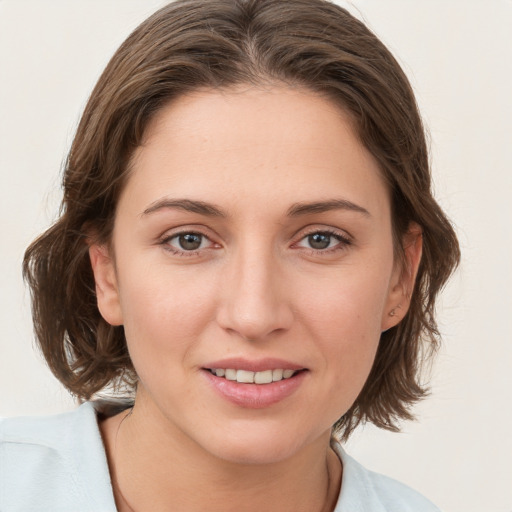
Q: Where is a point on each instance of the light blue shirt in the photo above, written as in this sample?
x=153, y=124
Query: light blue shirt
x=58, y=463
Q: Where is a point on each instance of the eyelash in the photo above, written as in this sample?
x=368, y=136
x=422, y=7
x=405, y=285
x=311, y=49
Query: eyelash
x=343, y=242
x=165, y=241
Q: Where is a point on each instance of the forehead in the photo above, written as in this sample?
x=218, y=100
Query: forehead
x=276, y=145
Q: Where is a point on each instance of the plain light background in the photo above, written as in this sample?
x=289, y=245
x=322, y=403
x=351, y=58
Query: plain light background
x=458, y=55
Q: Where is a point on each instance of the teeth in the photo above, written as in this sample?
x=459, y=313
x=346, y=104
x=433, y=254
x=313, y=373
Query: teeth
x=277, y=375
x=263, y=377
x=230, y=374
x=247, y=377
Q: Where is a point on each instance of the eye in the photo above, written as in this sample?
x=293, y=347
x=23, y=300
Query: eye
x=320, y=240
x=324, y=241
x=187, y=242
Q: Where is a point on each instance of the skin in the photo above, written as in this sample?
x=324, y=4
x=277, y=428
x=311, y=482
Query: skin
x=255, y=288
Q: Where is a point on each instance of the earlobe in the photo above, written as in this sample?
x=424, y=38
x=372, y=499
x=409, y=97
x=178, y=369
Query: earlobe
x=107, y=293
x=402, y=287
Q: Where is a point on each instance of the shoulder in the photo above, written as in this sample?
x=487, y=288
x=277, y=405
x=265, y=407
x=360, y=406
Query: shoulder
x=53, y=463
x=364, y=490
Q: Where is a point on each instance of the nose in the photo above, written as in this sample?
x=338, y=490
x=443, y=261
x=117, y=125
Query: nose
x=254, y=299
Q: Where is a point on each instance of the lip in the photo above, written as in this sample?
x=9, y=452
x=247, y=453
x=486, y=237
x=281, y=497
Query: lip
x=254, y=396
x=259, y=365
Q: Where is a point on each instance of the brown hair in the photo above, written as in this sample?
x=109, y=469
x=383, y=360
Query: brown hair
x=191, y=44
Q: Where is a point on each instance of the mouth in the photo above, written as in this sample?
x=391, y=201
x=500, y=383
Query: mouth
x=255, y=385
x=249, y=377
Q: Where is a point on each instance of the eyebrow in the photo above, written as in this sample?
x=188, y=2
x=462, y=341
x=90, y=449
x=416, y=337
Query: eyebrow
x=188, y=205
x=296, y=210
x=325, y=206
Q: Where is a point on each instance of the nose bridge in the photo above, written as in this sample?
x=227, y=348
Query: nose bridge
x=254, y=300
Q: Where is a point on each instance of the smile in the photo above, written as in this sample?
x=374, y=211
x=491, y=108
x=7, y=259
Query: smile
x=255, y=389
x=248, y=377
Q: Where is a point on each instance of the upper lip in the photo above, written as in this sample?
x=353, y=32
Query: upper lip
x=258, y=365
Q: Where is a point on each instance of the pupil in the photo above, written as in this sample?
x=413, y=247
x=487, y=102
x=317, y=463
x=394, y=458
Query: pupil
x=319, y=241
x=190, y=241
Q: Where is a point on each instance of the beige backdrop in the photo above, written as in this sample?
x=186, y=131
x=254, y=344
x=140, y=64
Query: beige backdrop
x=458, y=55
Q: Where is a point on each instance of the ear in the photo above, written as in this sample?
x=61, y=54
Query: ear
x=403, y=279
x=107, y=292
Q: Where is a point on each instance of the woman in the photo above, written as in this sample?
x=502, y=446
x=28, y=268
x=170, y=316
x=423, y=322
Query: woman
x=249, y=247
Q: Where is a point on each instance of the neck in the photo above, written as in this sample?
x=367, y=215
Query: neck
x=155, y=468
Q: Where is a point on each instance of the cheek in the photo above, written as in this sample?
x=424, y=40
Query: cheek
x=163, y=310
x=349, y=305
x=344, y=320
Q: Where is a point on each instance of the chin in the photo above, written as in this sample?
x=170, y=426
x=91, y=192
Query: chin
x=257, y=444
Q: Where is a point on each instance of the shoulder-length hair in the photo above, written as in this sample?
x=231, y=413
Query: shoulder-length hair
x=192, y=44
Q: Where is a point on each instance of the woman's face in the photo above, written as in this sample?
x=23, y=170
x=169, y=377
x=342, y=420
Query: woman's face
x=253, y=236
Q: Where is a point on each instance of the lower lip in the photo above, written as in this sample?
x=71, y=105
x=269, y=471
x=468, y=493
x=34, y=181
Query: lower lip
x=255, y=396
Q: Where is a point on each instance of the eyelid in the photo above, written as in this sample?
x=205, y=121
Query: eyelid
x=172, y=233
x=319, y=228
x=345, y=238
x=198, y=229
